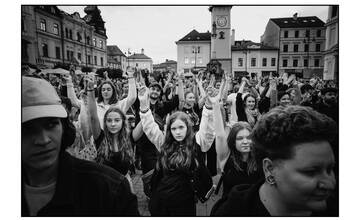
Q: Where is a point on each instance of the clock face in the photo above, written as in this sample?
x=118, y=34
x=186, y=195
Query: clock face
x=221, y=21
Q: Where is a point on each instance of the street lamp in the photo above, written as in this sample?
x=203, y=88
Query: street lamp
x=308, y=41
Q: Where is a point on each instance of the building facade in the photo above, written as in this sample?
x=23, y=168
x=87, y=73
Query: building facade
x=331, y=53
x=168, y=65
x=193, y=51
x=58, y=37
x=116, y=59
x=140, y=61
x=301, y=42
x=250, y=59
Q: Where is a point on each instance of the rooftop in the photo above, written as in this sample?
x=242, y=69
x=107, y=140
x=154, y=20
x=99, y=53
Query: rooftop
x=139, y=56
x=294, y=22
x=249, y=45
x=194, y=35
x=114, y=50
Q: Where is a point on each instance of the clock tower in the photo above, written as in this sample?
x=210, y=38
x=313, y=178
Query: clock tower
x=221, y=35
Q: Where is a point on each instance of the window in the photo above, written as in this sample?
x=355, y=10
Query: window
x=193, y=60
x=317, y=47
x=66, y=33
x=318, y=33
x=101, y=43
x=88, y=40
x=316, y=62
x=286, y=33
x=273, y=61
x=69, y=54
x=253, y=61
x=43, y=25
x=94, y=42
x=186, y=60
x=95, y=60
x=296, y=47
x=306, y=47
x=70, y=34
x=45, y=50
x=57, y=52
x=296, y=34
x=89, y=59
x=102, y=61
x=284, y=64
x=56, y=29
x=240, y=61
x=264, y=61
x=79, y=37
x=295, y=63
x=186, y=70
x=307, y=33
x=79, y=56
x=285, y=48
x=200, y=60
x=306, y=62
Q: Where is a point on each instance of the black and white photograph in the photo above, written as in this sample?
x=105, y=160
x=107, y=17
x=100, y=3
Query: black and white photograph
x=226, y=110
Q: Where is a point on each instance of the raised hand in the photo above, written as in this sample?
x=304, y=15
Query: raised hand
x=130, y=71
x=89, y=81
x=67, y=78
x=144, y=98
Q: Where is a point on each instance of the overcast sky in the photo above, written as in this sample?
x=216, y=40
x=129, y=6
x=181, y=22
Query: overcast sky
x=156, y=28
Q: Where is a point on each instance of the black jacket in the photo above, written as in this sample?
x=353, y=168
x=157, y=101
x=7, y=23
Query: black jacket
x=86, y=188
x=244, y=200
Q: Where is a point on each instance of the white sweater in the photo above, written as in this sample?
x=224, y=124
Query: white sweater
x=204, y=137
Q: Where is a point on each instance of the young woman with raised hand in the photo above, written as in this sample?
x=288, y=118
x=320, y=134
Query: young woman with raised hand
x=180, y=172
x=108, y=96
x=246, y=108
x=113, y=143
x=234, y=152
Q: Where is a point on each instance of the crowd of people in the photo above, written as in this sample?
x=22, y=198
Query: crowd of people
x=272, y=139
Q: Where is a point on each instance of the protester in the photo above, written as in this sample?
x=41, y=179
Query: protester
x=180, y=173
x=108, y=96
x=53, y=182
x=292, y=145
x=328, y=104
x=246, y=107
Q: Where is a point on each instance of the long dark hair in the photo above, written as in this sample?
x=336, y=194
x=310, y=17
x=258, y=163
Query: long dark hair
x=173, y=154
x=114, y=96
x=235, y=155
x=125, y=146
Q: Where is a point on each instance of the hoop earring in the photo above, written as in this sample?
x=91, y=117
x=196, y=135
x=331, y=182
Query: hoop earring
x=270, y=179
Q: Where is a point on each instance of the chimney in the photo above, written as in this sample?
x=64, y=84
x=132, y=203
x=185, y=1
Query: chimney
x=295, y=16
x=233, y=37
x=167, y=60
x=142, y=50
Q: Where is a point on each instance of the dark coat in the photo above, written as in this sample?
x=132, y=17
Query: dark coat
x=86, y=188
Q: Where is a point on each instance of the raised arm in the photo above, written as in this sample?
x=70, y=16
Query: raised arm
x=150, y=128
x=180, y=91
x=126, y=103
x=94, y=119
x=222, y=149
x=71, y=92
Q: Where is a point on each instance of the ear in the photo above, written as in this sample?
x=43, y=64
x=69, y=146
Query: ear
x=268, y=166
